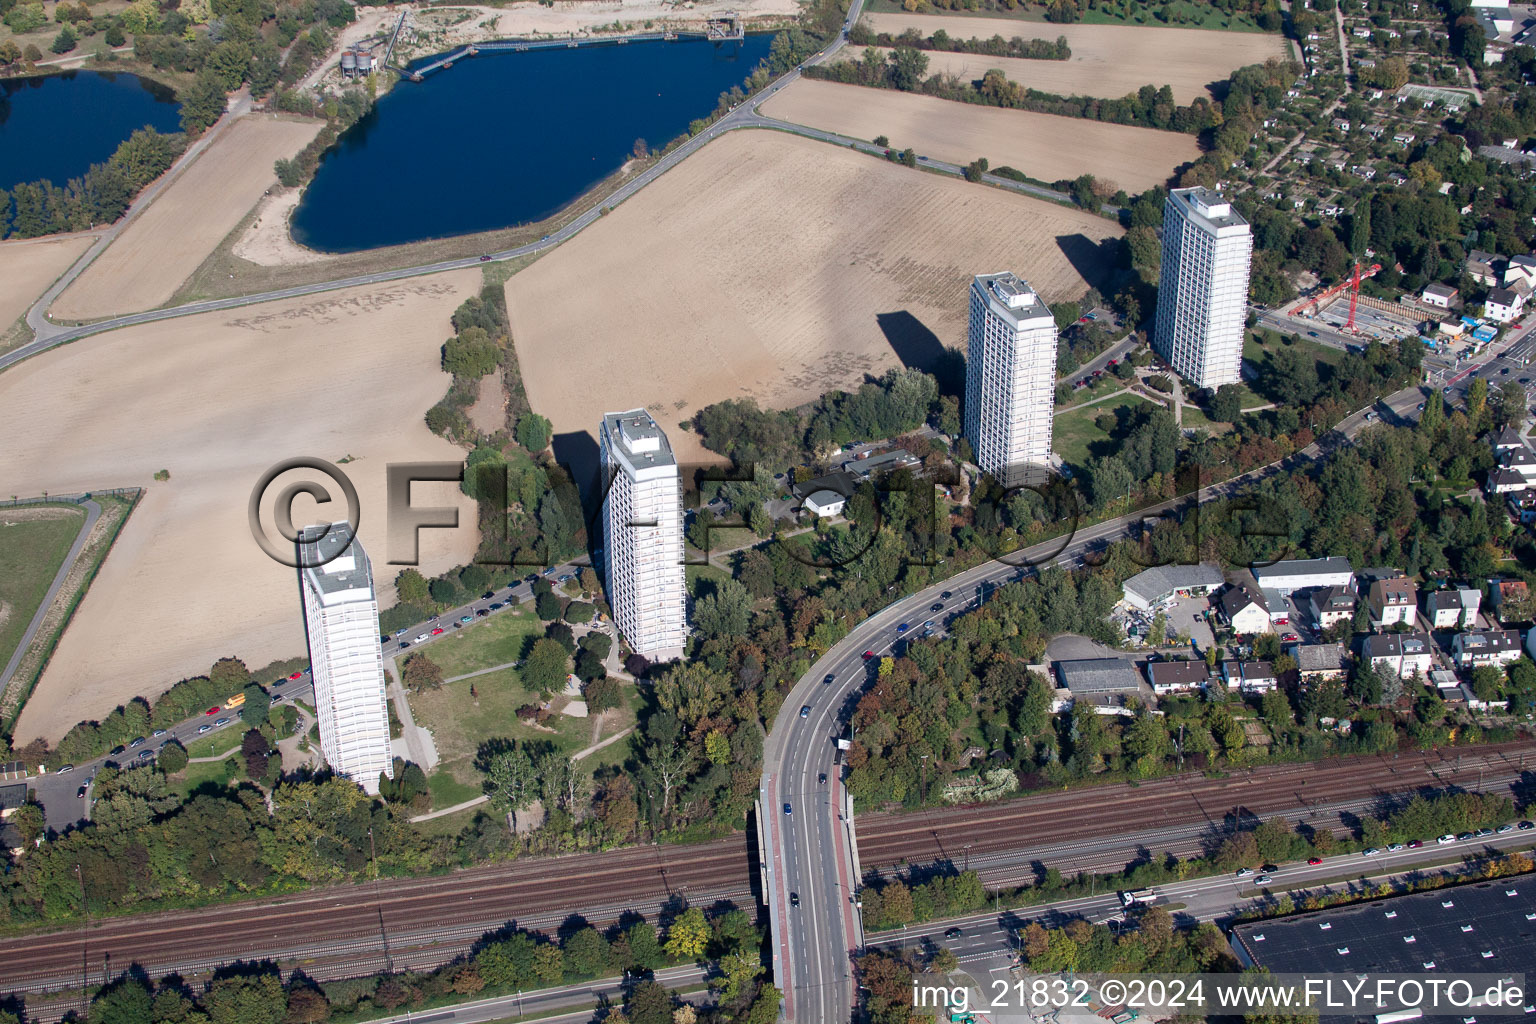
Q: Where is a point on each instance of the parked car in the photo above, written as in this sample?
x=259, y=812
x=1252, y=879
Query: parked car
x=297, y=675
x=466, y=618
x=1447, y=838
x=80, y=793
x=203, y=728
x=1369, y=851
x=1525, y=826
x=421, y=637
x=497, y=605
x=1414, y=844
x=1244, y=872
x=66, y=768
x=483, y=612
x=437, y=631
x=1263, y=880
x=1314, y=861
x=1505, y=829
x=212, y=711
x=1394, y=847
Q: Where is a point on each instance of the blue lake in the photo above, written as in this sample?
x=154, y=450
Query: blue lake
x=508, y=138
x=54, y=127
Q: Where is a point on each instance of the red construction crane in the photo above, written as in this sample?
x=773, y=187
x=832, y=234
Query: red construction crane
x=1322, y=298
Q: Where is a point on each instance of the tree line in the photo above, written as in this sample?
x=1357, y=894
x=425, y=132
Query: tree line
x=1028, y=49
x=500, y=963
x=100, y=196
x=1149, y=107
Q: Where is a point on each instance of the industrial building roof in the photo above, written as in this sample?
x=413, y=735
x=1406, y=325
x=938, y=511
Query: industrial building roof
x=1099, y=675
x=1482, y=928
x=1152, y=585
x=1304, y=567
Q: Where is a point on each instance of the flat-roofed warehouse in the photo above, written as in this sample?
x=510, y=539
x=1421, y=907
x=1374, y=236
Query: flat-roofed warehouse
x=1087, y=676
x=1146, y=590
x=1482, y=928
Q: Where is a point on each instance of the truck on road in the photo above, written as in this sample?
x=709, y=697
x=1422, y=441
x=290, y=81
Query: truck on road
x=1131, y=897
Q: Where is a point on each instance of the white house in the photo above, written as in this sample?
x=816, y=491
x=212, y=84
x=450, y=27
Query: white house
x=1504, y=305
x=825, y=503
x=1402, y=654
x=1448, y=609
x=1393, y=601
x=1520, y=268
x=1245, y=610
x=1177, y=676
x=1331, y=605
x=1438, y=295
x=1249, y=676
x=1491, y=647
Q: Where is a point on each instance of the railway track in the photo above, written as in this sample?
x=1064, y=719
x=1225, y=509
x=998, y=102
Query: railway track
x=1186, y=806
x=341, y=931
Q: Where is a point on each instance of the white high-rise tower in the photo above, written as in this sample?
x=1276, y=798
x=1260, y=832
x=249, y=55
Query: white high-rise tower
x=643, y=535
x=1202, y=294
x=341, y=615
x=1010, y=377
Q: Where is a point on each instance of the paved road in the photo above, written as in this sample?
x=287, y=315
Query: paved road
x=550, y=1001
x=992, y=936
x=92, y=513
x=808, y=852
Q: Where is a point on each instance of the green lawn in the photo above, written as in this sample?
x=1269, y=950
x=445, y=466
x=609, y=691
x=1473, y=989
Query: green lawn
x=195, y=775
x=31, y=551
x=694, y=573
x=1077, y=437
x=216, y=744
x=1105, y=385
x=447, y=791
x=460, y=723
x=496, y=640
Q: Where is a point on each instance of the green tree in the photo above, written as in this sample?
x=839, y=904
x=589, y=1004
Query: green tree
x=724, y=613
x=689, y=935
x=908, y=66
x=420, y=673
x=545, y=669
x=533, y=432
x=471, y=354
x=257, y=706
x=1226, y=404
x=126, y=1001
x=512, y=784
x=411, y=587
x=201, y=103
x=64, y=41
x=289, y=172
x=246, y=999
x=172, y=757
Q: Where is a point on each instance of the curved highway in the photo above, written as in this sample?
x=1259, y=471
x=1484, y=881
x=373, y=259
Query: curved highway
x=805, y=821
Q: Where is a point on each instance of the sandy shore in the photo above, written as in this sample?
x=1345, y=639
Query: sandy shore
x=161, y=248
x=29, y=265
x=774, y=267
x=267, y=241
x=216, y=399
x=1107, y=60
x=1043, y=146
